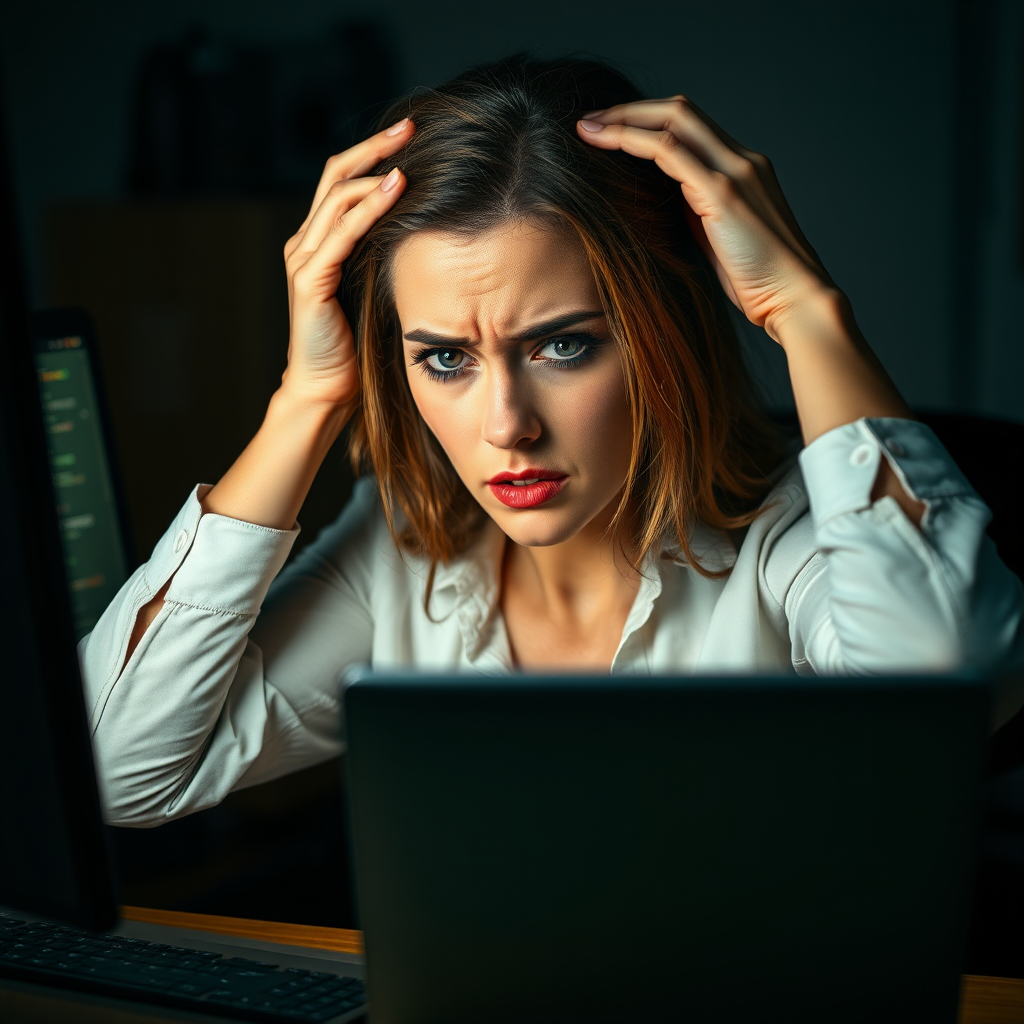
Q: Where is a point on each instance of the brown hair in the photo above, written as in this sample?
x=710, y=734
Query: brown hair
x=498, y=144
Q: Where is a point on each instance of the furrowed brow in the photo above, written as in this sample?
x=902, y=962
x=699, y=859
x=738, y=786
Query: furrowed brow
x=534, y=333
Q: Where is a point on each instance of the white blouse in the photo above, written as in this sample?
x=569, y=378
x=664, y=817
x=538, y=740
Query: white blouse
x=237, y=679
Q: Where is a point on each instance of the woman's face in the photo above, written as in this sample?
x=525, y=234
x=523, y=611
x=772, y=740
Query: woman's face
x=512, y=367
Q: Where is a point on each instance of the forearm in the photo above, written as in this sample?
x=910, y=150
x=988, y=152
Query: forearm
x=837, y=379
x=269, y=481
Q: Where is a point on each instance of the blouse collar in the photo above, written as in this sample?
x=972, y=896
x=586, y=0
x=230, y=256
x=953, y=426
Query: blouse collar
x=468, y=586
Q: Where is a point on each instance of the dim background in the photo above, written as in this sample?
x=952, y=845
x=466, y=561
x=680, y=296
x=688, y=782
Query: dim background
x=163, y=154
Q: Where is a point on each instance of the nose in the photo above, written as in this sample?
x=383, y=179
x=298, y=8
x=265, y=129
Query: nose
x=509, y=419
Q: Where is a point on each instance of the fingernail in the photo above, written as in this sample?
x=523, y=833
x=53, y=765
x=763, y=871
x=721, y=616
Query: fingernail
x=593, y=113
x=592, y=126
x=389, y=182
x=397, y=127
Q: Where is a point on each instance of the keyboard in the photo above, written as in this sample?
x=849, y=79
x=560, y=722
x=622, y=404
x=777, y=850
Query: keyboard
x=191, y=979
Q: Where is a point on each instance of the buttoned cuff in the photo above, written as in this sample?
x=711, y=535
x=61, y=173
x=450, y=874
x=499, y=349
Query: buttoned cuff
x=841, y=466
x=217, y=562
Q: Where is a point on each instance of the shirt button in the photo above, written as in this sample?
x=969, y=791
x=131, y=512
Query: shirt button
x=180, y=541
x=896, y=448
x=861, y=455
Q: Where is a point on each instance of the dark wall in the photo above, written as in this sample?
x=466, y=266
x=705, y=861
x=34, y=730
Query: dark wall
x=854, y=103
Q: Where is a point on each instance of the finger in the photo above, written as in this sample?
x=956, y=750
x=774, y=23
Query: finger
x=721, y=151
x=763, y=166
x=679, y=115
x=616, y=114
x=702, y=185
x=358, y=159
x=318, y=277
x=735, y=146
x=708, y=184
x=340, y=198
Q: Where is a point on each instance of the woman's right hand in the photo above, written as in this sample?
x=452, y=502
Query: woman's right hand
x=322, y=363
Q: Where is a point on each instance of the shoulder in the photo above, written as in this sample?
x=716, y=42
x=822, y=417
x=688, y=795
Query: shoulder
x=358, y=548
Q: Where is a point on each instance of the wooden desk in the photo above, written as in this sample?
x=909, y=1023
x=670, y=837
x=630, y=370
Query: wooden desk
x=982, y=1000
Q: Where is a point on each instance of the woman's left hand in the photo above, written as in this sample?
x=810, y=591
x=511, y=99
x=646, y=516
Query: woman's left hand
x=736, y=209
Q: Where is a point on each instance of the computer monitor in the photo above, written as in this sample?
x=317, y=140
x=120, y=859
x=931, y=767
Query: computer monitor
x=54, y=857
x=91, y=509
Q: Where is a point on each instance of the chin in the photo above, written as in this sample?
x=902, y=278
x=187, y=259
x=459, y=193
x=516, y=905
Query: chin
x=539, y=528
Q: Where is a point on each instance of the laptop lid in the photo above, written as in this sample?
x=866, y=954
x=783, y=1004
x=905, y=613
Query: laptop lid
x=654, y=849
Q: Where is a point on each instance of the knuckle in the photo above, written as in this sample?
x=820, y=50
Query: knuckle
x=300, y=278
x=337, y=189
x=668, y=139
x=746, y=169
x=723, y=183
x=681, y=106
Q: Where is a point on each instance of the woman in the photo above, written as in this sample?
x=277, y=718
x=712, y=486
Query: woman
x=515, y=296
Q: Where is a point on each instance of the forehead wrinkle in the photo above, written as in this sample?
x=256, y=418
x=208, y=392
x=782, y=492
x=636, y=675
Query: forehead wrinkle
x=503, y=268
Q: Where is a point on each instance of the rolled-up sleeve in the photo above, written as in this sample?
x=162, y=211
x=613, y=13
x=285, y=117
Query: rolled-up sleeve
x=235, y=680
x=884, y=595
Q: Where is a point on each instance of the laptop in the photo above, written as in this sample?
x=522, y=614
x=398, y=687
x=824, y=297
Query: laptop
x=622, y=848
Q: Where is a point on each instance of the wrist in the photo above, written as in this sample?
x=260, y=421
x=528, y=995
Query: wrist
x=294, y=408
x=823, y=314
x=836, y=377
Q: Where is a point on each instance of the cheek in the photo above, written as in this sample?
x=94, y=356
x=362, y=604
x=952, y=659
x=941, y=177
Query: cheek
x=593, y=417
x=442, y=416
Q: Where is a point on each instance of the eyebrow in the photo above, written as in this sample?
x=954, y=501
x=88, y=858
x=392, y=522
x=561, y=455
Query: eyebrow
x=541, y=330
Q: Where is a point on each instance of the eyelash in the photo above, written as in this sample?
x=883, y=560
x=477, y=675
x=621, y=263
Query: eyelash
x=591, y=341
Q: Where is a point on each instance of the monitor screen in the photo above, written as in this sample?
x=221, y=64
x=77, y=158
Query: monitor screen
x=90, y=522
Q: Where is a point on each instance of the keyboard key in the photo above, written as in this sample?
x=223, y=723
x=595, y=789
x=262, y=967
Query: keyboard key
x=248, y=965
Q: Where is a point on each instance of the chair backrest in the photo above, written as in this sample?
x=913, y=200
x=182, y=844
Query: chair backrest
x=991, y=454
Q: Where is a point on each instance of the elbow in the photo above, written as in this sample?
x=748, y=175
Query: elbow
x=138, y=792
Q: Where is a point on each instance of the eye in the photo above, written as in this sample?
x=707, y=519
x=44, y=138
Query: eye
x=563, y=348
x=444, y=359
x=442, y=364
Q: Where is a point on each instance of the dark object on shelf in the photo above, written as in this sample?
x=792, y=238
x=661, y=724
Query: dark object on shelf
x=213, y=117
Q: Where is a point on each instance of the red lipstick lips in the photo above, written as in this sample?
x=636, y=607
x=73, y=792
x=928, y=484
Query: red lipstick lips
x=527, y=488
